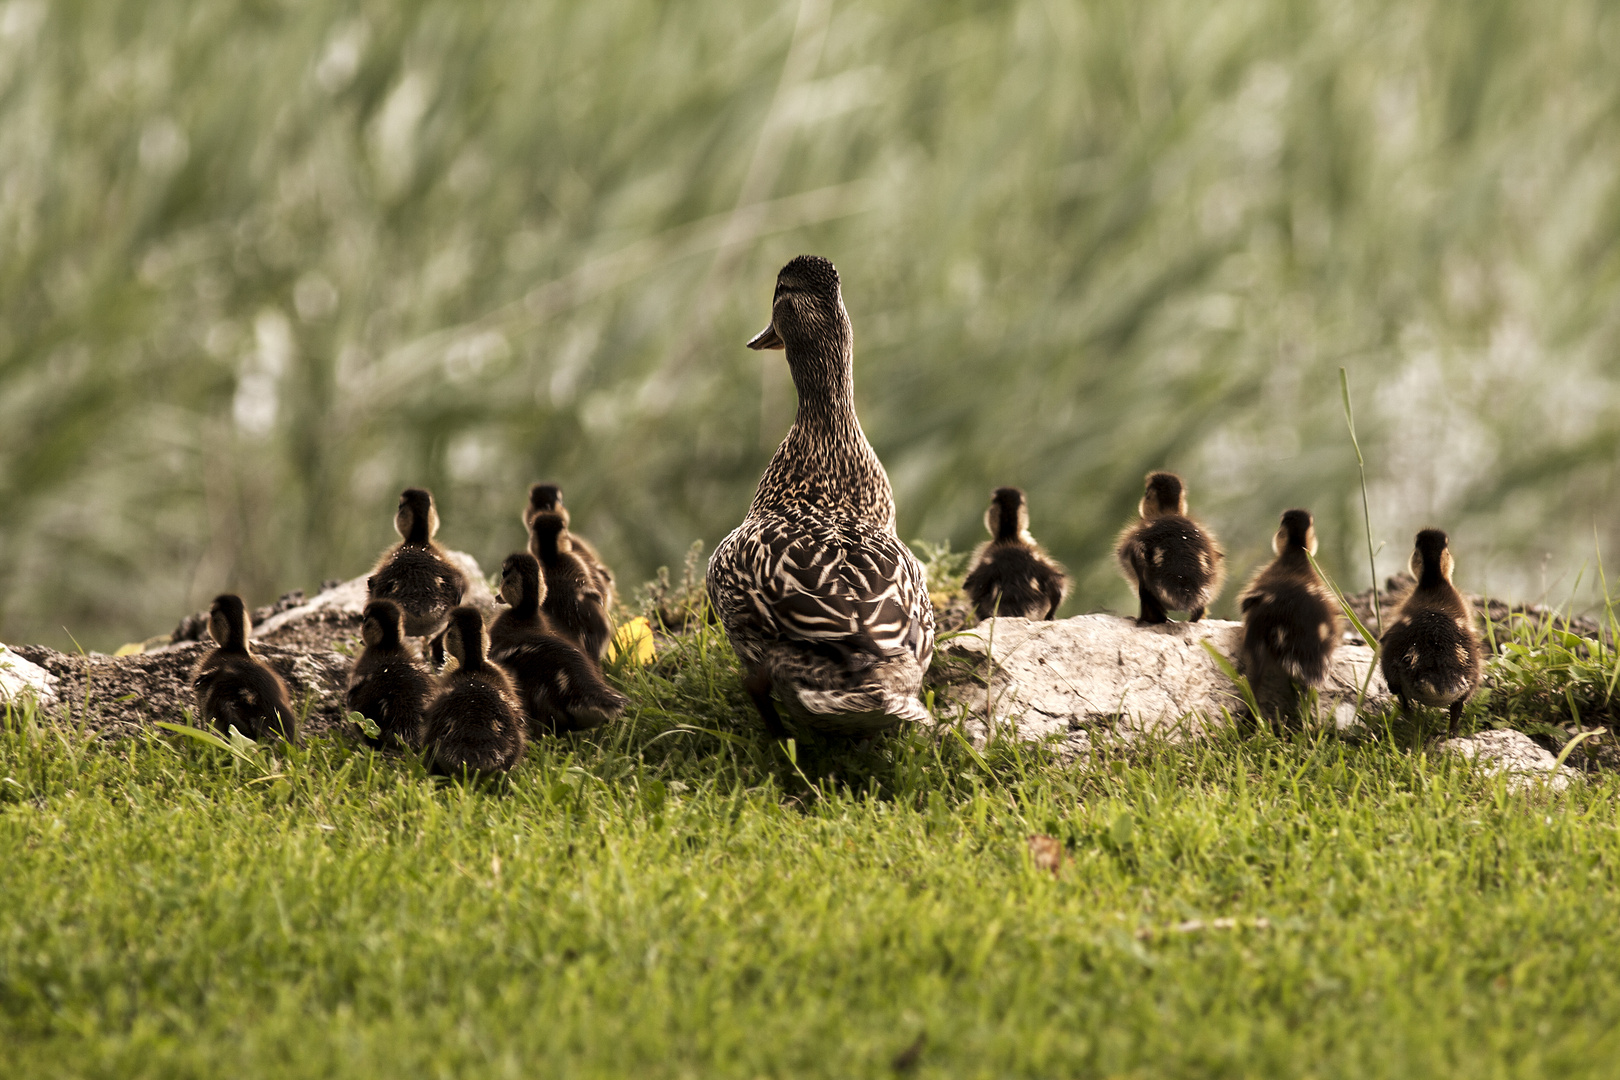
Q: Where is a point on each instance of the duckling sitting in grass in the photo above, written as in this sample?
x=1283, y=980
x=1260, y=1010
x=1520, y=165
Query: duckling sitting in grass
x=1011, y=575
x=236, y=689
x=561, y=690
x=1172, y=561
x=475, y=725
x=1431, y=652
x=1290, y=621
x=387, y=685
x=415, y=573
x=573, y=603
x=548, y=497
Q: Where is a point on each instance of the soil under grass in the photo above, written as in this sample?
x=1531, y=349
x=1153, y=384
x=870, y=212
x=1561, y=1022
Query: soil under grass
x=678, y=898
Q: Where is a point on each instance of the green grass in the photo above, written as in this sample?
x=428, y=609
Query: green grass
x=677, y=898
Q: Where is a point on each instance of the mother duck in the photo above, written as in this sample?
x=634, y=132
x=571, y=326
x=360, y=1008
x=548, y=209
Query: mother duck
x=821, y=600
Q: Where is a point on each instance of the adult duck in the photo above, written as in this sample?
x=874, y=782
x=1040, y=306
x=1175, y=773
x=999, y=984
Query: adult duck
x=821, y=600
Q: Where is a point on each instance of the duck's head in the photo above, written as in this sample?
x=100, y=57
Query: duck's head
x=1008, y=515
x=544, y=497
x=228, y=621
x=807, y=312
x=382, y=623
x=1165, y=494
x=1296, y=531
x=417, y=519
x=1431, y=561
x=522, y=586
x=465, y=637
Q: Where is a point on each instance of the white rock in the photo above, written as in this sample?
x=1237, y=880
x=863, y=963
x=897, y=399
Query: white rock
x=19, y=677
x=1069, y=676
x=1513, y=753
x=349, y=598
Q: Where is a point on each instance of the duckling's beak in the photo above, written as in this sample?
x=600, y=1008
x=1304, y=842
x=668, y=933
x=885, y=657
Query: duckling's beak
x=768, y=338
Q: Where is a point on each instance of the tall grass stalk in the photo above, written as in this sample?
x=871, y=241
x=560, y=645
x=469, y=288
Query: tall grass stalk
x=1366, y=511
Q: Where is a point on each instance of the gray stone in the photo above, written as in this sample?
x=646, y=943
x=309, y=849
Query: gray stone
x=1512, y=753
x=21, y=678
x=1073, y=678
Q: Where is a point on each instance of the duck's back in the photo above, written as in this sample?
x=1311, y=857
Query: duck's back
x=236, y=690
x=423, y=583
x=474, y=725
x=1013, y=580
x=1430, y=656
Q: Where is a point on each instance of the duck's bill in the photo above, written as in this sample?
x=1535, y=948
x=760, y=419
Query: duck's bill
x=767, y=338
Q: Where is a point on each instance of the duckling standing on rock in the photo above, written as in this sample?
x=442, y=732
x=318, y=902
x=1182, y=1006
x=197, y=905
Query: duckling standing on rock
x=1290, y=621
x=574, y=603
x=1172, y=561
x=475, y=725
x=1431, y=652
x=415, y=573
x=236, y=689
x=544, y=497
x=1012, y=575
x=387, y=686
x=560, y=689
x=818, y=595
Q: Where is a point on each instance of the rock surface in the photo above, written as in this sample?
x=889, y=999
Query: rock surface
x=20, y=677
x=1072, y=678
x=1513, y=753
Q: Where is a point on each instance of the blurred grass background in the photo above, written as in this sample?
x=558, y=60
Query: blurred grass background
x=262, y=264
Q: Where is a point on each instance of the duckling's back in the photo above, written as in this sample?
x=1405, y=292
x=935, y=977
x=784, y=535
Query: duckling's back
x=1431, y=655
x=1175, y=558
x=474, y=725
x=1290, y=623
x=1014, y=579
x=422, y=582
x=236, y=690
x=388, y=687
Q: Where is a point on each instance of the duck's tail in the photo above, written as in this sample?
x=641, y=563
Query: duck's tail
x=849, y=699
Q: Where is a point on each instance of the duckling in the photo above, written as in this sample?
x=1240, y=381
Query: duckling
x=821, y=600
x=1431, y=652
x=544, y=497
x=475, y=725
x=1011, y=574
x=236, y=689
x=573, y=602
x=1171, y=560
x=1290, y=621
x=386, y=684
x=561, y=690
x=415, y=573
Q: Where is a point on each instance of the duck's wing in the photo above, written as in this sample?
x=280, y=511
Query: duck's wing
x=844, y=587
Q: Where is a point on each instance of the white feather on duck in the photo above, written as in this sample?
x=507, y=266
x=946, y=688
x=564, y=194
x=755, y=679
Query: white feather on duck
x=818, y=595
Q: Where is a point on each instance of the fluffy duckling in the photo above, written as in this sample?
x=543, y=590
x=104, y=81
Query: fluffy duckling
x=548, y=497
x=1290, y=621
x=387, y=685
x=475, y=725
x=823, y=603
x=1011, y=574
x=1431, y=652
x=560, y=689
x=573, y=603
x=236, y=689
x=415, y=573
x=1172, y=561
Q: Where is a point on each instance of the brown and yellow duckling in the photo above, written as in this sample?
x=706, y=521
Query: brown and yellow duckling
x=548, y=497
x=1290, y=621
x=415, y=573
x=1011, y=574
x=1173, y=562
x=387, y=684
x=560, y=688
x=1431, y=653
x=236, y=689
x=573, y=603
x=475, y=725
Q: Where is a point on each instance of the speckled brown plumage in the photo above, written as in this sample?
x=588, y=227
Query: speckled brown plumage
x=819, y=597
x=415, y=573
x=1172, y=561
x=1010, y=573
x=234, y=688
x=1430, y=652
x=1291, y=623
x=475, y=725
x=387, y=684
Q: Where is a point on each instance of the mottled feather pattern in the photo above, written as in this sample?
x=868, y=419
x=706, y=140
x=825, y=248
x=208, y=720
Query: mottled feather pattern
x=1014, y=580
x=1175, y=558
x=559, y=689
x=235, y=689
x=391, y=689
x=1427, y=657
x=422, y=582
x=474, y=725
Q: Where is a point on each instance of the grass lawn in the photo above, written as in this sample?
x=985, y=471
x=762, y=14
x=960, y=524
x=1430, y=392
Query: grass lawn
x=677, y=898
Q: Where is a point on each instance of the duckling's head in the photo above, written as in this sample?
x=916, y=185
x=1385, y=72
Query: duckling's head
x=465, y=637
x=545, y=497
x=1296, y=531
x=522, y=586
x=417, y=519
x=550, y=531
x=807, y=312
x=1431, y=561
x=228, y=621
x=382, y=623
x=1165, y=494
x=1008, y=515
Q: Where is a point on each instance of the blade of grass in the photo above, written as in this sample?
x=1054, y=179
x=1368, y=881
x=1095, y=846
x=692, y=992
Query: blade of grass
x=1366, y=512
